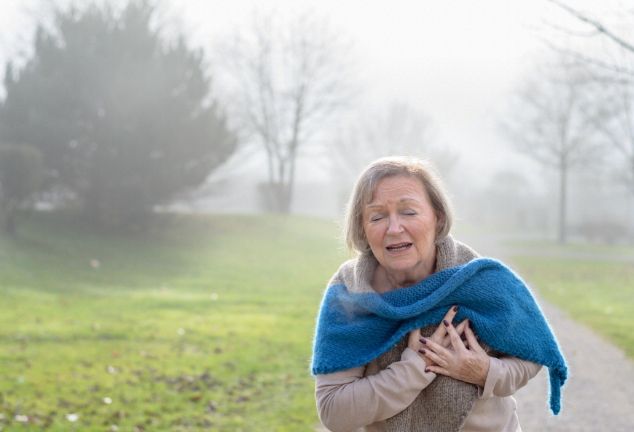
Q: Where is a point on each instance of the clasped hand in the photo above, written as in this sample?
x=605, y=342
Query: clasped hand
x=446, y=353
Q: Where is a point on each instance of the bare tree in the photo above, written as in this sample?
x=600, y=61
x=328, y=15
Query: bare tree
x=548, y=121
x=399, y=130
x=614, y=120
x=286, y=81
x=613, y=117
x=611, y=111
x=615, y=65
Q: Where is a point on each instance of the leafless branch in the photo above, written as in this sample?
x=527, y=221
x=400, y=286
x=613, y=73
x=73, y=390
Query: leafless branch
x=596, y=25
x=616, y=70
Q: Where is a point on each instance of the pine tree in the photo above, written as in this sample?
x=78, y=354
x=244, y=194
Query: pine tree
x=124, y=119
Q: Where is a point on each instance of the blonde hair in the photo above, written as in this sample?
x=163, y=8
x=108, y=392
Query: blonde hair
x=365, y=187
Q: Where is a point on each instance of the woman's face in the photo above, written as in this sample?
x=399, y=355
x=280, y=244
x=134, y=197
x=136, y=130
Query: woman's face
x=400, y=225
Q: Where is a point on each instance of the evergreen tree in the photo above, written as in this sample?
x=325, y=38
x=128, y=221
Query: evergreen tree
x=124, y=119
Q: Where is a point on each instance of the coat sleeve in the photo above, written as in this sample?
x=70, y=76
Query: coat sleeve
x=507, y=375
x=347, y=400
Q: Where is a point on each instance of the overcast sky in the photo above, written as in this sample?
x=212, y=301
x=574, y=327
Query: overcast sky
x=457, y=61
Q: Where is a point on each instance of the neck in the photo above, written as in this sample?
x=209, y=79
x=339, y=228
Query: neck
x=385, y=280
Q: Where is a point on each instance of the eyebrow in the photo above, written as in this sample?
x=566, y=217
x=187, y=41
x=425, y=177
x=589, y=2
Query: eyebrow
x=400, y=201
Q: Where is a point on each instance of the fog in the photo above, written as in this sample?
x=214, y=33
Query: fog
x=457, y=65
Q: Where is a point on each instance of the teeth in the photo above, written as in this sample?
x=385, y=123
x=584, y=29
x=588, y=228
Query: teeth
x=399, y=247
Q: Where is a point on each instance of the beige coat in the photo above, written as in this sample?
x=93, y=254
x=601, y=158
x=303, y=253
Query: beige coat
x=348, y=400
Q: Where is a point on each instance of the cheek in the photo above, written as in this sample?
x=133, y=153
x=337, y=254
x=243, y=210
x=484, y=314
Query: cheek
x=426, y=230
x=373, y=235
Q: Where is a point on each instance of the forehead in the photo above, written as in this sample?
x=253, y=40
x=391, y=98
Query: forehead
x=396, y=188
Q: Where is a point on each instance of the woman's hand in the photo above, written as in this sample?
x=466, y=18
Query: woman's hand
x=459, y=362
x=440, y=336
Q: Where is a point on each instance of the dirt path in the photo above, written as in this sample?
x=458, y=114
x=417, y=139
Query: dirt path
x=599, y=394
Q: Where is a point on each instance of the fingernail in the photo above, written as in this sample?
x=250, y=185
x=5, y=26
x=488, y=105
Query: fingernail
x=426, y=370
x=422, y=351
x=445, y=323
x=423, y=341
x=455, y=308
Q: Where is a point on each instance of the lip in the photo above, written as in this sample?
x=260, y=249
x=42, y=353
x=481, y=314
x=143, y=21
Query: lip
x=402, y=247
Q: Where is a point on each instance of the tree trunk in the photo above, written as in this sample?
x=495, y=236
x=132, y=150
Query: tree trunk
x=629, y=226
x=283, y=187
x=280, y=202
x=291, y=182
x=563, y=177
x=285, y=205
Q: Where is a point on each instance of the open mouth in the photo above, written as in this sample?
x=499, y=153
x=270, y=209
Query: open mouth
x=398, y=247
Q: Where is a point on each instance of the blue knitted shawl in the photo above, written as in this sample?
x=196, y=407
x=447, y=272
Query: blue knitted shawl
x=355, y=328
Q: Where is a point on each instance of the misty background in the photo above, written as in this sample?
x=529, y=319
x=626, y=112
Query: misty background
x=448, y=82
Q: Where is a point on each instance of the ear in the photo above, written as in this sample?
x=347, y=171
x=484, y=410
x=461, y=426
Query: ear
x=441, y=221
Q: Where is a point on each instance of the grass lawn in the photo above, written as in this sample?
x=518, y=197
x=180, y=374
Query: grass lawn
x=572, y=248
x=599, y=294
x=205, y=325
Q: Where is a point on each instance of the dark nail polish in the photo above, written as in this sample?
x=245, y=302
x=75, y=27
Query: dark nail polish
x=422, y=351
x=423, y=341
x=445, y=323
x=455, y=308
x=426, y=370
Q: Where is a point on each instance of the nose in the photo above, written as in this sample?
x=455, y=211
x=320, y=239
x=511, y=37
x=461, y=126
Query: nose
x=394, y=226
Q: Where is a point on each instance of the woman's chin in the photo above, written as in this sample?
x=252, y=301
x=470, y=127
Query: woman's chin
x=411, y=267
x=401, y=265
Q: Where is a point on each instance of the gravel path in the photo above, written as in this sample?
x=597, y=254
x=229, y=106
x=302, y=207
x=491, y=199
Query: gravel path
x=599, y=393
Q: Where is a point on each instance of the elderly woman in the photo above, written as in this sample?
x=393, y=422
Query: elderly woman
x=375, y=367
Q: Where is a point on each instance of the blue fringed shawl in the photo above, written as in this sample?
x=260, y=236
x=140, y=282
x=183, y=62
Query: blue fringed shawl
x=355, y=328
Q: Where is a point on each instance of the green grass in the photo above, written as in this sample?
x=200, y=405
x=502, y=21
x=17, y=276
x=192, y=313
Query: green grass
x=545, y=246
x=599, y=294
x=204, y=325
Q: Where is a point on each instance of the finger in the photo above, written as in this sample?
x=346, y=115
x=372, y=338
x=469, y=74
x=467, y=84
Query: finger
x=413, y=339
x=456, y=342
x=451, y=313
x=437, y=370
x=446, y=342
x=449, y=316
x=433, y=357
x=460, y=329
x=473, y=342
x=436, y=348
